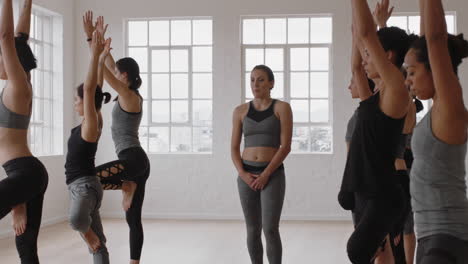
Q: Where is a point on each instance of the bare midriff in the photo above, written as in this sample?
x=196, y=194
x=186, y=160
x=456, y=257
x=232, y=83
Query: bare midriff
x=13, y=144
x=259, y=154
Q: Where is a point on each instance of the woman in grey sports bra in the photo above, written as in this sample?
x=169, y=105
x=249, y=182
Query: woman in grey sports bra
x=267, y=127
x=22, y=192
x=131, y=171
x=439, y=144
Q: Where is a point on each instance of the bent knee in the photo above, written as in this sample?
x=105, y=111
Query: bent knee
x=79, y=223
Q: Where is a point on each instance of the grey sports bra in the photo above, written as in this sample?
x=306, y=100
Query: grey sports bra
x=261, y=128
x=9, y=119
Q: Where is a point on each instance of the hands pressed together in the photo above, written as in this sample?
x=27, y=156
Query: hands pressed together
x=255, y=181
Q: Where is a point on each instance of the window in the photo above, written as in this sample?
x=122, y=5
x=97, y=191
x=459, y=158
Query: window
x=411, y=24
x=298, y=50
x=46, y=41
x=175, y=58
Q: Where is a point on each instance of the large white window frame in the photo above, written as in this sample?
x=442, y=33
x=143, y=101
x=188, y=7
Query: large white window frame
x=286, y=74
x=46, y=40
x=199, y=129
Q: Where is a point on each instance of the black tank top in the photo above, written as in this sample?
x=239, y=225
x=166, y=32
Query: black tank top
x=80, y=157
x=370, y=167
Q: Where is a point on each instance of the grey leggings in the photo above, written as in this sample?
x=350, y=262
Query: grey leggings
x=85, y=201
x=262, y=209
x=442, y=249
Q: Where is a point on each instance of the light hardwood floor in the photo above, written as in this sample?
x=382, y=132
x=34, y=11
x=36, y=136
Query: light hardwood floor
x=191, y=242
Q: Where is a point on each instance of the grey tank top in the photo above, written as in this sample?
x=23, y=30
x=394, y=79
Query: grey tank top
x=125, y=127
x=261, y=128
x=438, y=186
x=9, y=119
x=351, y=125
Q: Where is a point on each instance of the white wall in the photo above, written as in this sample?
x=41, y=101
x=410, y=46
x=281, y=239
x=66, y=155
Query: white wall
x=204, y=186
x=56, y=198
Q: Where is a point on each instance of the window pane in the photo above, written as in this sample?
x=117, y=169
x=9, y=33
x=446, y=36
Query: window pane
x=137, y=33
x=160, y=61
x=47, y=88
x=37, y=110
x=202, y=112
x=319, y=59
x=202, y=32
x=202, y=59
x=143, y=137
x=159, y=33
x=253, y=57
x=450, y=24
x=248, y=89
x=159, y=139
x=321, y=30
x=181, y=139
x=202, y=139
x=300, y=110
x=160, y=86
x=321, y=138
x=39, y=28
x=179, y=60
x=181, y=33
x=179, y=111
x=274, y=59
x=144, y=118
x=252, y=30
x=33, y=26
x=160, y=112
x=275, y=30
x=300, y=59
x=298, y=30
x=300, y=139
x=319, y=111
x=144, y=86
x=141, y=57
x=397, y=21
x=202, y=85
x=179, y=86
x=414, y=24
x=300, y=84
x=47, y=63
x=319, y=84
x=278, y=90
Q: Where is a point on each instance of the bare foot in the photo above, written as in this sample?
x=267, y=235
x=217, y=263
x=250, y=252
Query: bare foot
x=19, y=219
x=92, y=240
x=128, y=190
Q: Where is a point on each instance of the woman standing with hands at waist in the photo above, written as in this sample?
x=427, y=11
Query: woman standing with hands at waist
x=267, y=127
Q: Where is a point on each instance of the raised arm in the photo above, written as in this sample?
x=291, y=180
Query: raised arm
x=360, y=78
x=102, y=60
x=449, y=100
x=24, y=22
x=90, y=127
x=395, y=103
x=102, y=27
x=16, y=76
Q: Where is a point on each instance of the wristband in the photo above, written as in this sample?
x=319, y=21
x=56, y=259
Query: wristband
x=89, y=39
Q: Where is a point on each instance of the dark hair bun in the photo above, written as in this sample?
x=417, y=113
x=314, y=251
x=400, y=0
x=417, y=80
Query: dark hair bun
x=107, y=97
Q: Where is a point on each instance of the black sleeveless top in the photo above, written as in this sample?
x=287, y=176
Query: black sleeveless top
x=80, y=157
x=370, y=166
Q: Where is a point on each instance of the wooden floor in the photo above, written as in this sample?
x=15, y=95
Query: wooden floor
x=191, y=242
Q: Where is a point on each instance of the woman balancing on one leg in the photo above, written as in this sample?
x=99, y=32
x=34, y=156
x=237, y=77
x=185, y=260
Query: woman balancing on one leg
x=23, y=189
x=131, y=171
x=83, y=184
x=369, y=175
x=267, y=127
x=439, y=144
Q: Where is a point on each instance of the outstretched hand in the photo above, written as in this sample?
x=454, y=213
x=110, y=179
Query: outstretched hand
x=97, y=43
x=382, y=13
x=100, y=26
x=107, y=48
x=88, y=25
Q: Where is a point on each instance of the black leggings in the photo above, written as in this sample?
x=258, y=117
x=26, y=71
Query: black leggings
x=375, y=219
x=132, y=165
x=26, y=182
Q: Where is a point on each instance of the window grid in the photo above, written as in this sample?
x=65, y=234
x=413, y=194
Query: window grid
x=170, y=123
x=287, y=71
x=42, y=133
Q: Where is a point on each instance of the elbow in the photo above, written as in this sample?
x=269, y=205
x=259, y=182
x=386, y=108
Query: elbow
x=286, y=149
x=437, y=36
x=7, y=35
